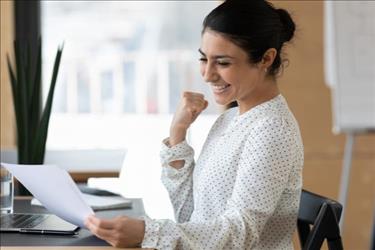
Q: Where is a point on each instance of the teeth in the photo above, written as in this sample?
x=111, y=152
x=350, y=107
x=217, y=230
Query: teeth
x=219, y=87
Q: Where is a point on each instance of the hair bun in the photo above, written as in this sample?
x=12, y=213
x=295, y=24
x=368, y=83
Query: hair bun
x=288, y=25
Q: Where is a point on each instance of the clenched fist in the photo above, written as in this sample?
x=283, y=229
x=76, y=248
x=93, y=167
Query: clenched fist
x=191, y=105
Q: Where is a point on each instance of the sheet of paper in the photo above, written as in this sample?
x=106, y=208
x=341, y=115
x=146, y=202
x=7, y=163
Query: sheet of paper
x=99, y=202
x=55, y=189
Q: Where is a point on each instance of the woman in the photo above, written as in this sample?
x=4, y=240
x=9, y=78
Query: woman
x=243, y=191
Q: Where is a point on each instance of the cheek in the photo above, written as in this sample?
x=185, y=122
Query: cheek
x=202, y=69
x=247, y=77
x=229, y=77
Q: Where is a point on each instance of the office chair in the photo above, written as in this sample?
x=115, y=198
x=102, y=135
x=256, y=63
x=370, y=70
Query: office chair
x=318, y=219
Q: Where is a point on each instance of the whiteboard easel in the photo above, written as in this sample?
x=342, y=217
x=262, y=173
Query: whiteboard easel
x=350, y=73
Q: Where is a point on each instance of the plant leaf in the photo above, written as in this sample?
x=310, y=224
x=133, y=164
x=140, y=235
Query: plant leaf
x=41, y=137
x=22, y=138
x=35, y=105
x=13, y=82
x=28, y=66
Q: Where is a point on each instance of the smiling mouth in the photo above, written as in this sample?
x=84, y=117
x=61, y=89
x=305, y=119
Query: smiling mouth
x=217, y=89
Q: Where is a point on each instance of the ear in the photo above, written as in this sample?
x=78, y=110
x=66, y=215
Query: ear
x=268, y=58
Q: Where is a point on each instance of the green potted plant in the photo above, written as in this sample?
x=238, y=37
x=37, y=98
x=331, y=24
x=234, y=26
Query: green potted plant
x=31, y=120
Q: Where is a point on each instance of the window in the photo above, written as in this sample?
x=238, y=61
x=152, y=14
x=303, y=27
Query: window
x=123, y=68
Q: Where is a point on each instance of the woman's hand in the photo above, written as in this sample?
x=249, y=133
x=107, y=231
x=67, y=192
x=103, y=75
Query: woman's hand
x=191, y=105
x=121, y=231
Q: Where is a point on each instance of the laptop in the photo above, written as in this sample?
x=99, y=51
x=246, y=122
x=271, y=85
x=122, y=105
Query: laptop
x=36, y=223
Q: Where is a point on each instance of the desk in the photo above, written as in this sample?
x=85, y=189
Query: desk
x=84, y=240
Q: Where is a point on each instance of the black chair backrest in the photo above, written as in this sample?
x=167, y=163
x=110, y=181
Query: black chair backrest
x=318, y=219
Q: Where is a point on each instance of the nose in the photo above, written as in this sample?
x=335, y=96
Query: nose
x=209, y=73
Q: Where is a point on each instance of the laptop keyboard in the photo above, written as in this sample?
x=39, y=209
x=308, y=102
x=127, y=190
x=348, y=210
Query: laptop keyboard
x=21, y=220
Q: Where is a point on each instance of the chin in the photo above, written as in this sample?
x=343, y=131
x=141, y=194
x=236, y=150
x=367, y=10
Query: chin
x=222, y=101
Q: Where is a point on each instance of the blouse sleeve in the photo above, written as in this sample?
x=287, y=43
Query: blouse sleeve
x=265, y=164
x=178, y=182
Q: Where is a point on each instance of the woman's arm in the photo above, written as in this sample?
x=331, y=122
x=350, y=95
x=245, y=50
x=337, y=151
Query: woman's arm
x=178, y=157
x=268, y=158
x=179, y=182
x=189, y=108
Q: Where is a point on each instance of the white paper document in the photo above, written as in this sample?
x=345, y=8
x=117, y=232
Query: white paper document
x=99, y=202
x=55, y=189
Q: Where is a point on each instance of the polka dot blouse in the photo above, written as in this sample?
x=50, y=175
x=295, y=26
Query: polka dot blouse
x=243, y=192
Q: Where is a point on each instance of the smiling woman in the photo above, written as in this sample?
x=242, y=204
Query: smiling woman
x=243, y=191
x=232, y=75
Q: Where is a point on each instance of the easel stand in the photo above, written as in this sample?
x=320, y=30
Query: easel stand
x=345, y=175
x=345, y=178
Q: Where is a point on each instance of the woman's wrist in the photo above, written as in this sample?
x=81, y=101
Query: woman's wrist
x=177, y=135
x=141, y=226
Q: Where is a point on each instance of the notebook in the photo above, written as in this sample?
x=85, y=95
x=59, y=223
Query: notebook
x=36, y=223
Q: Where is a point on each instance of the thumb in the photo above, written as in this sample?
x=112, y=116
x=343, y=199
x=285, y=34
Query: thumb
x=205, y=104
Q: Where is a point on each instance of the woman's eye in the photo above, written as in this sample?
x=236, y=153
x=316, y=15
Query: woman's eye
x=223, y=63
x=203, y=59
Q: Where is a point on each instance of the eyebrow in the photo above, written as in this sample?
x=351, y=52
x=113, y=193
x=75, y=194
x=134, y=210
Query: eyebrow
x=216, y=57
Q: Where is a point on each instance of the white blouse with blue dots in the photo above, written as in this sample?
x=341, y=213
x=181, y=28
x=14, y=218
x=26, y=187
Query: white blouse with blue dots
x=243, y=192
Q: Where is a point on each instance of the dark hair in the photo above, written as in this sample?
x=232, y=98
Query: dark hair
x=254, y=26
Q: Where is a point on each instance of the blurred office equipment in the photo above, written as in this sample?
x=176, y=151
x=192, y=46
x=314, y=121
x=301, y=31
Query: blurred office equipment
x=350, y=74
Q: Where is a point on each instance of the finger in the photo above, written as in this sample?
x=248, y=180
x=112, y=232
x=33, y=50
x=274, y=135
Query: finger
x=113, y=243
x=102, y=233
x=192, y=94
x=201, y=105
x=87, y=221
x=205, y=104
x=196, y=96
x=198, y=100
x=194, y=100
x=102, y=223
x=197, y=107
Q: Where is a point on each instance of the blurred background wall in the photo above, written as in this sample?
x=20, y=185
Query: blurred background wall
x=7, y=116
x=309, y=98
x=305, y=89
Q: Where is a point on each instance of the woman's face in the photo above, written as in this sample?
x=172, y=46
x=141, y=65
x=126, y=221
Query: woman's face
x=227, y=69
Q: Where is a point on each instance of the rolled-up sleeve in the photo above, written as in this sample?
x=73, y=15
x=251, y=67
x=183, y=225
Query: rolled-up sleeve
x=178, y=182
